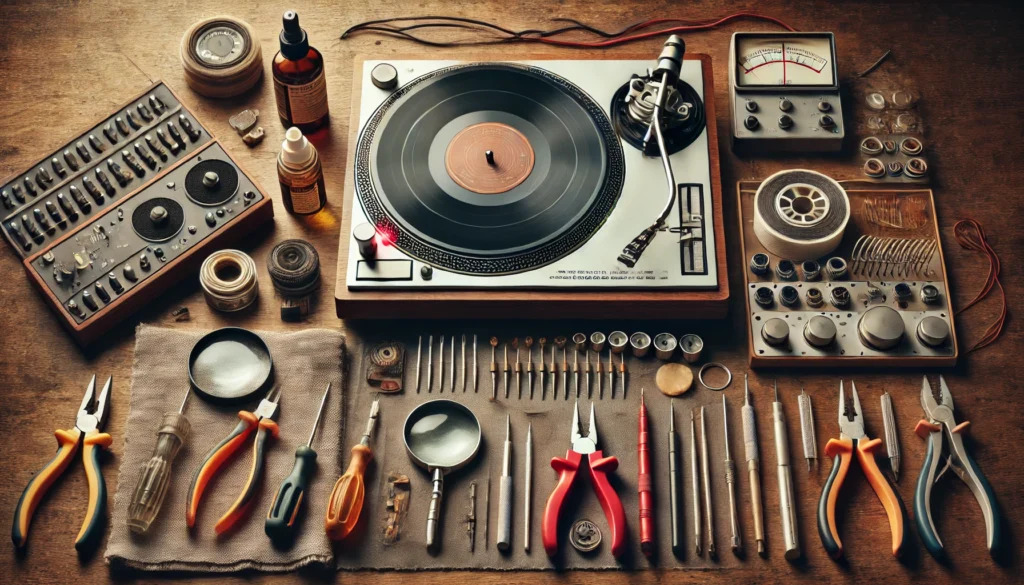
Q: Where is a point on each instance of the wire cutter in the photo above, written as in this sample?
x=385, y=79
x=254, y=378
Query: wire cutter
x=938, y=422
x=852, y=438
x=260, y=420
x=85, y=432
x=599, y=467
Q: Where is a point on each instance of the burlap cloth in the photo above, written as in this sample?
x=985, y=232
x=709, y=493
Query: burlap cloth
x=303, y=363
x=551, y=419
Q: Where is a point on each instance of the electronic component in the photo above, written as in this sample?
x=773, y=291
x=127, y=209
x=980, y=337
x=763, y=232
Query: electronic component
x=784, y=93
x=134, y=247
x=50, y=185
x=874, y=298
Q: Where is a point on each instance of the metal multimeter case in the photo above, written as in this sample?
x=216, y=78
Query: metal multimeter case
x=784, y=93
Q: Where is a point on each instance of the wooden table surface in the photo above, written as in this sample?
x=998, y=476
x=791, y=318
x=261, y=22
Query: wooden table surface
x=65, y=66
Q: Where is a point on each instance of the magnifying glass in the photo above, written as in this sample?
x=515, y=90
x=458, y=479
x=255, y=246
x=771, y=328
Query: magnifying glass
x=230, y=365
x=441, y=436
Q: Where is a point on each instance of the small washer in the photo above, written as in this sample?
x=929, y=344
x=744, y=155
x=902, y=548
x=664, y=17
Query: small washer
x=584, y=536
x=728, y=372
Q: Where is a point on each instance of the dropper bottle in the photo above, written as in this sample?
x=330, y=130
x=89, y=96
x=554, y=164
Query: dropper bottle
x=300, y=174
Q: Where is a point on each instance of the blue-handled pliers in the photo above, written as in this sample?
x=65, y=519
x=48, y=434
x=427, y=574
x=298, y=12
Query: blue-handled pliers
x=938, y=423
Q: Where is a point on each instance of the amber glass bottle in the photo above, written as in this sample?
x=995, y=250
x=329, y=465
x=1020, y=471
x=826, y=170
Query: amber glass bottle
x=299, y=82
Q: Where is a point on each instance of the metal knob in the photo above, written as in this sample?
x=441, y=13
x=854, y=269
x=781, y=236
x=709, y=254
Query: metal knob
x=384, y=76
x=933, y=331
x=820, y=331
x=881, y=328
x=158, y=215
x=775, y=332
x=366, y=237
x=210, y=179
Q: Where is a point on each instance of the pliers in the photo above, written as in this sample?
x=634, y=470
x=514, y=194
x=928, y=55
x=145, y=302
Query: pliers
x=86, y=433
x=939, y=422
x=852, y=438
x=599, y=467
x=262, y=421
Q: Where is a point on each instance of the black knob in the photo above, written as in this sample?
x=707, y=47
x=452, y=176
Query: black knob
x=785, y=122
x=751, y=123
x=751, y=106
x=129, y=273
x=115, y=284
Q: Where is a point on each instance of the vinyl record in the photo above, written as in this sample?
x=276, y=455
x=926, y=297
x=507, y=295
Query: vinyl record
x=488, y=168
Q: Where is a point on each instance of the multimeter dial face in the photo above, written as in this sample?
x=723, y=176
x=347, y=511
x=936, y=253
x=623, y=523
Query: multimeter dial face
x=776, y=62
x=220, y=46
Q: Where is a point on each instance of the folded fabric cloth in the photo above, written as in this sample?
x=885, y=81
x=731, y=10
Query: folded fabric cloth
x=304, y=363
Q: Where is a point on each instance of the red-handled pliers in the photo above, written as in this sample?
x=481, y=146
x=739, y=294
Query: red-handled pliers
x=599, y=467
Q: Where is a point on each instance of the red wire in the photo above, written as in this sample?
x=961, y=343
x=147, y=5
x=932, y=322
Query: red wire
x=971, y=236
x=660, y=32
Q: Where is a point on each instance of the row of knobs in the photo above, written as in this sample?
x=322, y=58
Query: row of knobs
x=880, y=328
x=99, y=291
x=785, y=120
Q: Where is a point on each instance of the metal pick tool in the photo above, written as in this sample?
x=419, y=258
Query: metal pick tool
x=419, y=360
x=807, y=427
x=463, y=362
x=476, y=370
x=440, y=366
x=451, y=368
x=430, y=363
x=441, y=436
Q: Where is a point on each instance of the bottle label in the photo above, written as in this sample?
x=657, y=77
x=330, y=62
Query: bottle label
x=305, y=199
x=302, y=103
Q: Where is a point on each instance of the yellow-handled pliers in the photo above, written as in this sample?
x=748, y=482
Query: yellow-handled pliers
x=85, y=433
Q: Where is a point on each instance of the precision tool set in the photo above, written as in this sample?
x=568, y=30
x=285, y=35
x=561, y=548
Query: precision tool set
x=835, y=277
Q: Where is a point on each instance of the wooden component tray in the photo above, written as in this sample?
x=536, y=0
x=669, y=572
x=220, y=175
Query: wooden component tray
x=848, y=350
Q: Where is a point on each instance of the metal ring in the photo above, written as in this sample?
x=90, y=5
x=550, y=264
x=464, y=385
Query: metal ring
x=728, y=372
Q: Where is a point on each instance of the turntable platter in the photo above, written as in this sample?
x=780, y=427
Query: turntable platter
x=488, y=168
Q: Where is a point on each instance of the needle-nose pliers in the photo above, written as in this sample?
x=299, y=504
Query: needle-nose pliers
x=85, y=434
x=853, y=439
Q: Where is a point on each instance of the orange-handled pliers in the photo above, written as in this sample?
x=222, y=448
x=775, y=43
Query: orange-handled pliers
x=852, y=438
x=85, y=432
x=260, y=420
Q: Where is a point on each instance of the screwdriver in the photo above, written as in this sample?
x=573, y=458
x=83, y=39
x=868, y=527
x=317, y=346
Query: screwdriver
x=156, y=473
x=280, y=524
x=346, y=501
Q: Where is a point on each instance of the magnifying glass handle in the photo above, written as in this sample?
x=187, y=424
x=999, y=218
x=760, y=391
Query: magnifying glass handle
x=434, y=512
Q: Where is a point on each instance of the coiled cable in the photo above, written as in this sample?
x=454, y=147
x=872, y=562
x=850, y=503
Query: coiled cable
x=294, y=267
x=229, y=282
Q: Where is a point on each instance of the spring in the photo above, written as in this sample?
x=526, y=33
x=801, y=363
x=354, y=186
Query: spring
x=875, y=257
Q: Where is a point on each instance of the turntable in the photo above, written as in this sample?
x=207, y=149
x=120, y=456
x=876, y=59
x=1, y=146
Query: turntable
x=533, y=189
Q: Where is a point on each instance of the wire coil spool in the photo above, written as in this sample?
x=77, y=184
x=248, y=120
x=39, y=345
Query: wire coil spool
x=294, y=267
x=800, y=214
x=228, y=278
x=221, y=57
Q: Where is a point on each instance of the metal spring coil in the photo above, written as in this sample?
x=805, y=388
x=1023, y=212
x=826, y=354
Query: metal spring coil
x=892, y=257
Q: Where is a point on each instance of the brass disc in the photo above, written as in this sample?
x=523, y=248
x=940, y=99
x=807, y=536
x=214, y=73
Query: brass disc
x=674, y=379
x=467, y=163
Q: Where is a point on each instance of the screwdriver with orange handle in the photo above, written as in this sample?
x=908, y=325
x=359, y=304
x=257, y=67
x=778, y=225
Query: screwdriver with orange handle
x=346, y=501
x=281, y=519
